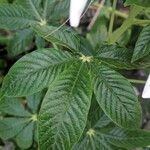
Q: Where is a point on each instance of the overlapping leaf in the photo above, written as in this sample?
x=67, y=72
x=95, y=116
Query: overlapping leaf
x=35, y=71
x=14, y=17
x=119, y=57
x=19, y=123
x=115, y=56
x=128, y=138
x=25, y=138
x=116, y=97
x=32, y=7
x=65, y=108
x=142, y=47
x=93, y=138
x=9, y=127
x=106, y=136
x=12, y=106
x=20, y=42
x=54, y=8
x=64, y=37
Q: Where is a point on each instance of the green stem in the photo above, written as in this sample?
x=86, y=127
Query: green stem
x=116, y=34
x=137, y=81
x=117, y=13
x=141, y=22
x=112, y=17
x=127, y=24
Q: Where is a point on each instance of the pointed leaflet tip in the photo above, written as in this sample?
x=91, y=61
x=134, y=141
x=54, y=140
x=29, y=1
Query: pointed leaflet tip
x=76, y=10
x=146, y=92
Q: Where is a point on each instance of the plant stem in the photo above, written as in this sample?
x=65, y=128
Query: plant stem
x=140, y=22
x=112, y=17
x=137, y=81
x=127, y=24
x=117, y=13
x=116, y=34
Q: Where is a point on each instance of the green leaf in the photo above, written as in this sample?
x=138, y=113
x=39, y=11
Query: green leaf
x=65, y=108
x=32, y=7
x=64, y=37
x=57, y=9
x=142, y=47
x=35, y=133
x=20, y=42
x=116, y=97
x=115, y=56
x=93, y=139
x=144, y=3
x=25, y=138
x=95, y=112
x=128, y=138
x=12, y=106
x=13, y=17
x=34, y=101
x=22, y=125
x=35, y=71
x=125, y=38
x=10, y=127
x=40, y=42
x=98, y=33
x=103, y=135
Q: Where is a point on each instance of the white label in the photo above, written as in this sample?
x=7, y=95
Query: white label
x=146, y=92
x=76, y=10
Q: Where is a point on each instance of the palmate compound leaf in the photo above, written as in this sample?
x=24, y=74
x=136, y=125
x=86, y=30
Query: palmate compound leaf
x=63, y=36
x=93, y=137
x=116, y=97
x=14, y=17
x=65, y=108
x=104, y=135
x=142, y=47
x=35, y=71
x=22, y=125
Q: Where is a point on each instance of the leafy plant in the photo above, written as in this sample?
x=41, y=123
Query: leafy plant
x=89, y=104
x=20, y=117
x=17, y=17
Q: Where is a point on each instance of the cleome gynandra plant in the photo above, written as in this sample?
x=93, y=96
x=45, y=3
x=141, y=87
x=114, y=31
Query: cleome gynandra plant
x=71, y=93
